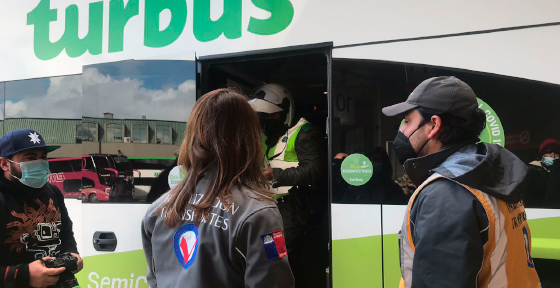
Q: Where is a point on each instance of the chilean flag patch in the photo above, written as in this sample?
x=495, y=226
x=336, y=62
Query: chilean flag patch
x=274, y=245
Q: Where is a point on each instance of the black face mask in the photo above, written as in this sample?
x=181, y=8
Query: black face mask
x=272, y=127
x=403, y=148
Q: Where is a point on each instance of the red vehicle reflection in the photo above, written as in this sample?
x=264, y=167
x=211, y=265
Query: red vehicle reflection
x=95, y=177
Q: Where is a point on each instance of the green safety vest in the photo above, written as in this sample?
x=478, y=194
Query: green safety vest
x=290, y=154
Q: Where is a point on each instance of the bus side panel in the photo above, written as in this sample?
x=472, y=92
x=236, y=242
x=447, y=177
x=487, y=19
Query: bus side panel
x=545, y=242
x=127, y=262
x=356, y=245
x=545, y=235
x=393, y=216
x=75, y=213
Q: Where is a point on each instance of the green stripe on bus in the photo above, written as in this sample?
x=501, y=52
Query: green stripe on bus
x=124, y=270
x=391, y=261
x=545, y=238
x=357, y=262
x=543, y=248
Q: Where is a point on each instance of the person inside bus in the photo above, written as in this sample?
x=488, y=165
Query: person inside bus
x=468, y=200
x=34, y=223
x=339, y=185
x=161, y=185
x=380, y=189
x=294, y=153
x=544, y=176
x=220, y=226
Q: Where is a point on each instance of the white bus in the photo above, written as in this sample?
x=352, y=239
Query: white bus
x=120, y=77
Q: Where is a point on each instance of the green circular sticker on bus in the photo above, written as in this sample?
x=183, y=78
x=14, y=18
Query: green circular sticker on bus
x=356, y=169
x=494, y=131
x=176, y=175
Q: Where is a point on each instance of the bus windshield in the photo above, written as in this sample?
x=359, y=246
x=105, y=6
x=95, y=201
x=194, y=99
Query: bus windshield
x=122, y=164
x=101, y=162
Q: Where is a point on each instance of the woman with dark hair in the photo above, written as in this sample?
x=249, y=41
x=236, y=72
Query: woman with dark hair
x=380, y=189
x=220, y=226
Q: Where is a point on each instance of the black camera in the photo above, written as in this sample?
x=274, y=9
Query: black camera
x=67, y=278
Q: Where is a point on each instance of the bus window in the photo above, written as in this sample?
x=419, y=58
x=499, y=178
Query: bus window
x=135, y=124
x=73, y=185
x=76, y=165
x=359, y=132
x=87, y=183
x=88, y=163
x=514, y=108
x=60, y=167
x=101, y=162
x=52, y=109
x=2, y=89
x=122, y=164
x=163, y=134
x=114, y=132
x=520, y=116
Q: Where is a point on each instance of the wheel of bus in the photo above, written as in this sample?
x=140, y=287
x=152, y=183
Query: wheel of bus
x=93, y=198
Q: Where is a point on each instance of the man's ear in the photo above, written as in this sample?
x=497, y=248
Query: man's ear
x=435, y=122
x=5, y=164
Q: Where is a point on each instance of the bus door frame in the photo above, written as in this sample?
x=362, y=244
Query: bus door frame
x=325, y=48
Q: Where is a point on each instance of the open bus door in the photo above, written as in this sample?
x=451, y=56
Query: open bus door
x=304, y=71
x=131, y=109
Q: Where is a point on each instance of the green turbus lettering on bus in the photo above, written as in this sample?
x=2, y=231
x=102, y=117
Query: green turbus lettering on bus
x=204, y=28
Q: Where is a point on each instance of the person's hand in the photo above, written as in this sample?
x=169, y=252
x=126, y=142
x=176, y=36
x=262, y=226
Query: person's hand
x=80, y=263
x=41, y=276
x=268, y=173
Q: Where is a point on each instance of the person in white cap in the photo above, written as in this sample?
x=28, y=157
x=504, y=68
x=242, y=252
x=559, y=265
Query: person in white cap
x=294, y=151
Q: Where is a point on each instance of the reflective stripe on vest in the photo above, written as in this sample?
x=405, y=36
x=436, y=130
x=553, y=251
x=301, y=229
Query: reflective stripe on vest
x=287, y=150
x=507, y=253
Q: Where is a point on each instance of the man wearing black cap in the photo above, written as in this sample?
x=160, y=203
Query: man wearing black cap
x=34, y=222
x=465, y=225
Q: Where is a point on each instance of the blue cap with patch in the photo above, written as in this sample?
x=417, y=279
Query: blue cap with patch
x=22, y=140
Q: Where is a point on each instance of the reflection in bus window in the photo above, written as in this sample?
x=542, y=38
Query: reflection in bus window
x=114, y=132
x=65, y=176
x=88, y=164
x=544, y=176
x=50, y=106
x=380, y=188
x=123, y=164
x=78, y=133
x=132, y=108
x=101, y=163
x=2, y=85
x=87, y=183
x=87, y=131
x=358, y=128
x=61, y=167
x=72, y=185
x=76, y=164
x=140, y=133
x=163, y=133
x=359, y=124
